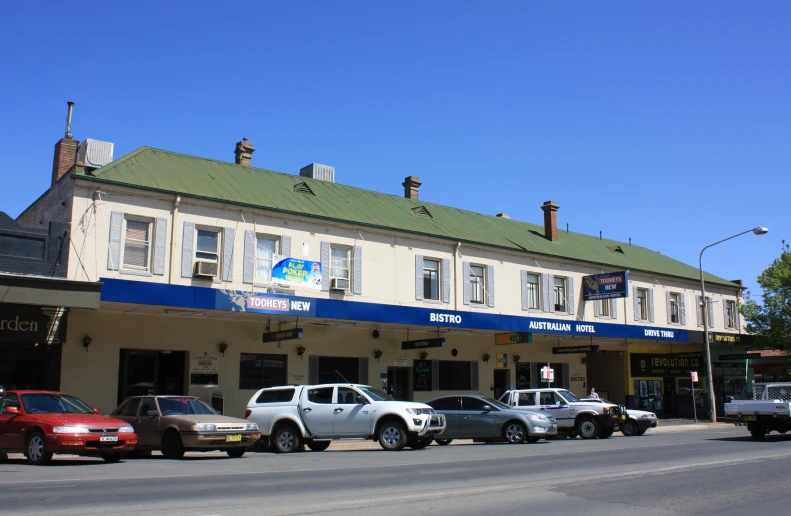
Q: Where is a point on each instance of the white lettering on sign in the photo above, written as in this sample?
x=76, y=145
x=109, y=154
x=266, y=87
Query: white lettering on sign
x=543, y=325
x=268, y=303
x=300, y=306
x=17, y=325
x=446, y=318
x=585, y=328
x=665, y=334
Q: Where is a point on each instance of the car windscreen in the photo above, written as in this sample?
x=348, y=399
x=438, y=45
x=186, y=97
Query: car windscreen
x=566, y=395
x=42, y=403
x=184, y=406
x=375, y=394
x=495, y=403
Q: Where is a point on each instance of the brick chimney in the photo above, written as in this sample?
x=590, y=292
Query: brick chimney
x=65, y=151
x=411, y=185
x=551, y=220
x=244, y=152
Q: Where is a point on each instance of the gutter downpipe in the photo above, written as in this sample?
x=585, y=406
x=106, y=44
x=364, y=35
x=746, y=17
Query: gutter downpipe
x=176, y=203
x=455, y=271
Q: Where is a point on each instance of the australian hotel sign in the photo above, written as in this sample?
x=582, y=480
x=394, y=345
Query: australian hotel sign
x=605, y=286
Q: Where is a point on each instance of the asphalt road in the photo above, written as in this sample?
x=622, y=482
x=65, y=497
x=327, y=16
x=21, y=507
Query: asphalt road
x=719, y=471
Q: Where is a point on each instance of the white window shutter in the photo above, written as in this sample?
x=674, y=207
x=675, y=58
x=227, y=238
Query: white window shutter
x=160, y=245
x=710, y=303
x=445, y=280
x=325, y=267
x=248, y=267
x=357, y=284
x=570, y=300
x=546, y=293
x=614, y=308
x=683, y=308
x=227, y=255
x=699, y=305
x=636, y=304
x=490, y=285
x=597, y=307
x=114, y=249
x=187, y=242
x=525, y=304
x=466, y=277
x=651, y=304
x=285, y=246
x=668, y=307
x=419, y=277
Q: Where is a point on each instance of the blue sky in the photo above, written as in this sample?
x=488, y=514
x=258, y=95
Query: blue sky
x=667, y=124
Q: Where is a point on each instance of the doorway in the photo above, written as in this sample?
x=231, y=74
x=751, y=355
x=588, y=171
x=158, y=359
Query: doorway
x=502, y=382
x=151, y=372
x=398, y=385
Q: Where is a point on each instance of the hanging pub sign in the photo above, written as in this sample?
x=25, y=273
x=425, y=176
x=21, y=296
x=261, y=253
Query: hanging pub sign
x=575, y=349
x=502, y=361
x=425, y=343
x=275, y=336
x=605, y=286
x=513, y=338
x=205, y=370
x=679, y=364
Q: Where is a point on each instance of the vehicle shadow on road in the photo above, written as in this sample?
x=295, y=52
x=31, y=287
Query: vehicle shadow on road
x=54, y=463
x=776, y=438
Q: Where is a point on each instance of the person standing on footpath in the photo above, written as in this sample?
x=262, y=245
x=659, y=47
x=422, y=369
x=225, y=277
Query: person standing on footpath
x=593, y=394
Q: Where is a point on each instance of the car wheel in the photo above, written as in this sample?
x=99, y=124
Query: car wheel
x=532, y=440
x=172, y=447
x=392, y=435
x=36, y=449
x=235, y=453
x=443, y=442
x=514, y=432
x=112, y=457
x=418, y=443
x=606, y=433
x=629, y=428
x=319, y=445
x=287, y=439
x=758, y=432
x=587, y=427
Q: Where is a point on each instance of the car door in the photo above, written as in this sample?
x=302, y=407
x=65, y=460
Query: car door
x=317, y=410
x=10, y=438
x=480, y=422
x=351, y=418
x=555, y=405
x=450, y=406
x=147, y=423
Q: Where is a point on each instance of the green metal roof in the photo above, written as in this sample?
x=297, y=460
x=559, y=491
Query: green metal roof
x=175, y=173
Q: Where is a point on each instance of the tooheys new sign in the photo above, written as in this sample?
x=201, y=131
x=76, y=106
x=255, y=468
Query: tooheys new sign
x=605, y=286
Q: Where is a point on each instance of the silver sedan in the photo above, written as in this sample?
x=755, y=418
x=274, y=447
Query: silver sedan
x=480, y=418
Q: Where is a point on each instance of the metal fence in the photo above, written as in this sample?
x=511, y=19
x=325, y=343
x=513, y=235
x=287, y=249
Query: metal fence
x=776, y=391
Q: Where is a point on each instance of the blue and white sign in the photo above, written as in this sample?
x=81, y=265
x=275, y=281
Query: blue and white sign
x=605, y=286
x=300, y=273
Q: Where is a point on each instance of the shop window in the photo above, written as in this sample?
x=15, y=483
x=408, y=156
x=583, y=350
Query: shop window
x=730, y=314
x=431, y=279
x=477, y=284
x=137, y=245
x=642, y=304
x=339, y=370
x=265, y=250
x=533, y=292
x=257, y=370
x=455, y=375
x=560, y=294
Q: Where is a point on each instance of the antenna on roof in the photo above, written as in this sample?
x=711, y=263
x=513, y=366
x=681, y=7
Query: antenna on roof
x=344, y=378
x=630, y=240
x=567, y=227
x=600, y=234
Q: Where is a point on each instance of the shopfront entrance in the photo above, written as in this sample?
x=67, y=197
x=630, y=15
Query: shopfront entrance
x=662, y=384
x=151, y=372
x=399, y=385
x=502, y=382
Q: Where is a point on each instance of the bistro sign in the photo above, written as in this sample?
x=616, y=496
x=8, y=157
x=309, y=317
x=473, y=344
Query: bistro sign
x=605, y=286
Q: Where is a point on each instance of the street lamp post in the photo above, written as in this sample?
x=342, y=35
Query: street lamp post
x=705, y=318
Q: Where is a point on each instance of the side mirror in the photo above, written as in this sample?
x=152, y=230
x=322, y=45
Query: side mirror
x=14, y=411
x=96, y=410
x=361, y=399
x=487, y=408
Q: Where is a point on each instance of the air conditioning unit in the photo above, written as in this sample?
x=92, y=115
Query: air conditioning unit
x=95, y=153
x=206, y=269
x=339, y=284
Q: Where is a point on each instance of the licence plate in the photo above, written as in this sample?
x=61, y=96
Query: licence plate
x=108, y=439
x=750, y=418
x=233, y=438
x=623, y=416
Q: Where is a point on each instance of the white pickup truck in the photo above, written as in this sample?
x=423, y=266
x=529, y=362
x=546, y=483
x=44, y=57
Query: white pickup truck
x=575, y=416
x=314, y=415
x=769, y=411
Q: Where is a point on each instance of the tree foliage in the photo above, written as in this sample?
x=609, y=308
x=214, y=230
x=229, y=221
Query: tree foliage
x=771, y=320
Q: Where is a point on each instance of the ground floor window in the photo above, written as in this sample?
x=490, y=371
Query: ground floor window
x=455, y=375
x=30, y=366
x=146, y=371
x=339, y=370
x=258, y=370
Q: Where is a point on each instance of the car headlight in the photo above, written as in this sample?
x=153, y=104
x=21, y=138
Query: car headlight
x=648, y=416
x=415, y=411
x=204, y=427
x=126, y=430
x=536, y=417
x=252, y=427
x=70, y=430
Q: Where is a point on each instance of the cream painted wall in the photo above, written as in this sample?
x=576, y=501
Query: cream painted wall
x=388, y=258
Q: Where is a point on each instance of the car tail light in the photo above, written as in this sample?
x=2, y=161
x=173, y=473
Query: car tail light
x=247, y=413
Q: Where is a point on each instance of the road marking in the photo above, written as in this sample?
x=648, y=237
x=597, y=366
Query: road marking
x=43, y=487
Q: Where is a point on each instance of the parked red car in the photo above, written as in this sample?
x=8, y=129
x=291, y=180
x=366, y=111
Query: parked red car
x=40, y=423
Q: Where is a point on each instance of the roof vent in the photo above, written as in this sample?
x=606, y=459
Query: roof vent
x=615, y=249
x=302, y=188
x=503, y=216
x=421, y=211
x=320, y=172
x=94, y=153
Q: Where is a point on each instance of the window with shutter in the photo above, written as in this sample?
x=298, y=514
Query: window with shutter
x=266, y=247
x=137, y=244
